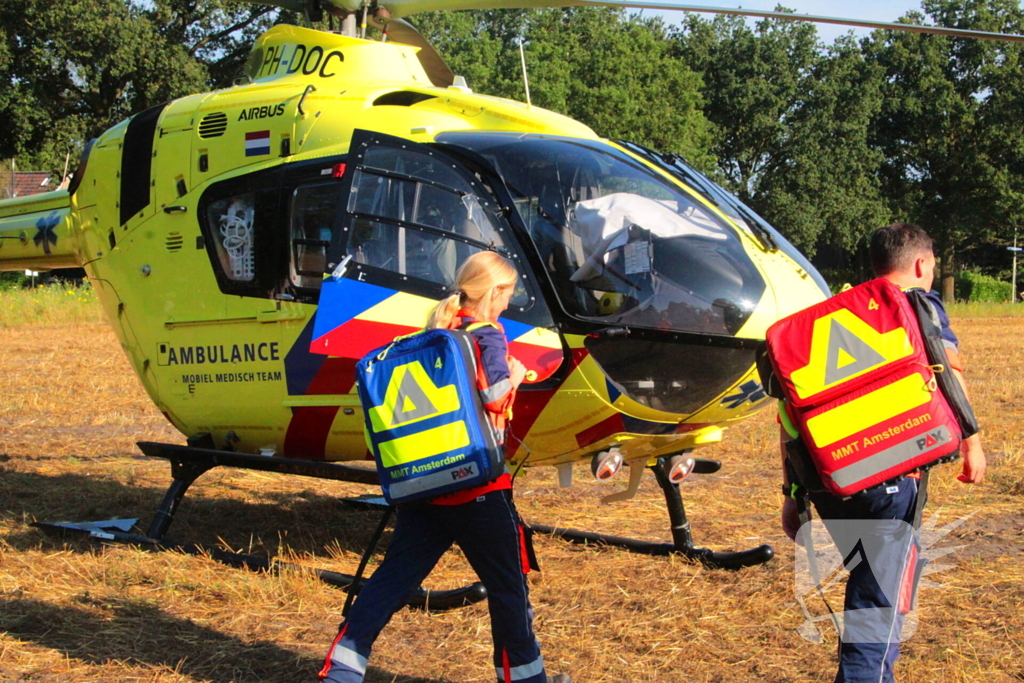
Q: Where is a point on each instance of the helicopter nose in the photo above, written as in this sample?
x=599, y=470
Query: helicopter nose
x=680, y=370
x=674, y=376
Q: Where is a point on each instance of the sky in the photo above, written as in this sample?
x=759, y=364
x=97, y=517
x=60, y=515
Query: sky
x=877, y=10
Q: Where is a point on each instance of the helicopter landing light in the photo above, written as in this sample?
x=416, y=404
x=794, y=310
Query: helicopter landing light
x=606, y=464
x=680, y=467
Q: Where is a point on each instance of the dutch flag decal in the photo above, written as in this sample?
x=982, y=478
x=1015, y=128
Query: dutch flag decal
x=257, y=143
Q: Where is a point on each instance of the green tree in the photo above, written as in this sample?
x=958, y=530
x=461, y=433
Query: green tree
x=942, y=128
x=73, y=69
x=613, y=72
x=617, y=75
x=753, y=79
x=824, y=189
x=793, y=121
x=218, y=34
x=478, y=45
x=1004, y=145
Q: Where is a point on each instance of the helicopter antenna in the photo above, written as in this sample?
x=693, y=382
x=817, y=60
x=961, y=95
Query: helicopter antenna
x=526, y=80
x=348, y=26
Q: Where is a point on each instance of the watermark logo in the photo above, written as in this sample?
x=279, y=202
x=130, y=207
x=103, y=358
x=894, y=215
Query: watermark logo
x=888, y=560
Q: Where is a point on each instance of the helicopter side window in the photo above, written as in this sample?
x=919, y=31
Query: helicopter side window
x=312, y=223
x=242, y=228
x=231, y=226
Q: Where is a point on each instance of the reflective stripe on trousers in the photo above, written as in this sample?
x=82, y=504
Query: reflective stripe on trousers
x=344, y=664
x=523, y=672
x=487, y=531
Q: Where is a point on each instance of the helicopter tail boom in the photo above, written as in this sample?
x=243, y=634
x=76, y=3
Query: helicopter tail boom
x=36, y=233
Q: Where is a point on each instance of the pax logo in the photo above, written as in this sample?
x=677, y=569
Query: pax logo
x=462, y=472
x=932, y=439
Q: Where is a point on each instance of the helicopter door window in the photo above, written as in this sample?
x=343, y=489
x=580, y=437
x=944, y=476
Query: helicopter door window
x=420, y=254
x=414, y=164
x=423, y=204
x=421, y=229
x=408, y=252
x=421, y=189
x=413, y=216
x=312, y=219
x=231, y=226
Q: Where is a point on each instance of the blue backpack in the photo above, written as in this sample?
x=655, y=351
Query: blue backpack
x=424, y=420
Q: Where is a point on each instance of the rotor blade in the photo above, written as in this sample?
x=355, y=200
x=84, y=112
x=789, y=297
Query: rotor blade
x=401, y=31
x=861, y=23
x=297, y=6
x=404, y=8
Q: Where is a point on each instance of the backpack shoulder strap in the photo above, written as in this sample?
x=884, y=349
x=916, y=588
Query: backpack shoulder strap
x=928, y=319
x=476, y=326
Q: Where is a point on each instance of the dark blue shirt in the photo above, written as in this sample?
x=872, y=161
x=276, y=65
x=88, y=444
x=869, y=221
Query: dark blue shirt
x=949, y=339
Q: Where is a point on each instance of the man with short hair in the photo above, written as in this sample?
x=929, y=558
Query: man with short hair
x=902, y=254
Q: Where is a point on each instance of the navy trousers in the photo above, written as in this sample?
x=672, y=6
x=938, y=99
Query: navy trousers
x=487, y=530
x=873, y=531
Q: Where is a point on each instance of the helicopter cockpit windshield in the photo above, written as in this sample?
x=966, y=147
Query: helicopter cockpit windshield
x=622, y=245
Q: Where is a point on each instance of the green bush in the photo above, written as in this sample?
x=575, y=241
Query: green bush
x=978, y=287
x=12, y=280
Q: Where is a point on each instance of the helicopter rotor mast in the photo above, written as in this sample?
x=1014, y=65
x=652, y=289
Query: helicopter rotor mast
x=404, y=8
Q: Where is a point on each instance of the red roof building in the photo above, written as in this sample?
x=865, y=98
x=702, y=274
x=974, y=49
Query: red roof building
x=27, y=183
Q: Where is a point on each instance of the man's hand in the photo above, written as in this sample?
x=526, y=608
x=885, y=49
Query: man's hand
x=970, y=450
x=790, y=518
x=517, y=371
x=974, y=460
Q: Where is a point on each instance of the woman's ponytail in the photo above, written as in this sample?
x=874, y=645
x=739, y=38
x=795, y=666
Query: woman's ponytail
x=444, y=312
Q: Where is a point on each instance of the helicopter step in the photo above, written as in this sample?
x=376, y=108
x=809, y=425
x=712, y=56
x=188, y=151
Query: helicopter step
x=682, y=538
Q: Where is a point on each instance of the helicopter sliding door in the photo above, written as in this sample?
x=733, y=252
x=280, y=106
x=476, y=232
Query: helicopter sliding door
x=410, y=216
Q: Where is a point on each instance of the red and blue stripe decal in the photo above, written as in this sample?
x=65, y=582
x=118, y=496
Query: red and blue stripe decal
x=353, y=318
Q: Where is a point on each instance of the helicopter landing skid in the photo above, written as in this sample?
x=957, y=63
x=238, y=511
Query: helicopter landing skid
x=190, y=462
x=682, y=538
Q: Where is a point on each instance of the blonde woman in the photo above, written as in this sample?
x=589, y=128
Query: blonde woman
x=482, y=520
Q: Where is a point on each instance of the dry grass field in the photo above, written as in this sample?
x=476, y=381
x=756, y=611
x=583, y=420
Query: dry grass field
x=72, y=609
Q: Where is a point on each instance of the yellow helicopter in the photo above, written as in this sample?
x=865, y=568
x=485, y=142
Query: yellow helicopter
x=248, y=245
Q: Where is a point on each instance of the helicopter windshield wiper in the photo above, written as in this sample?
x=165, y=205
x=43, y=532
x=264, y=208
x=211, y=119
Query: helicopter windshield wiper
x=754, y=221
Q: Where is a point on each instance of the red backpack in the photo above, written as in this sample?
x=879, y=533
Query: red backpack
x=865, y=383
